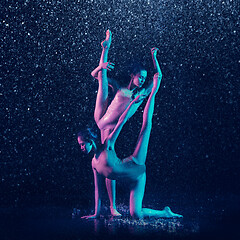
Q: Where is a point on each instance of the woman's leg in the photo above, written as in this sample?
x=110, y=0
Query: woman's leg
x=139, y=155
x=136, y=197
x=140, y=152
x=100, y=109
x=102, y=94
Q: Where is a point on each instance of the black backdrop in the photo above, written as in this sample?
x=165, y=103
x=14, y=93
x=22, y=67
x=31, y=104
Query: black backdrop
x=48, y=49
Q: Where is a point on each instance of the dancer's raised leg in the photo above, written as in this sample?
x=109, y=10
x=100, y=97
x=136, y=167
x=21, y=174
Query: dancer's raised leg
x=139, y=155
x=100, y=109
x=140, y=152
x=106, y=46
x=102, y=95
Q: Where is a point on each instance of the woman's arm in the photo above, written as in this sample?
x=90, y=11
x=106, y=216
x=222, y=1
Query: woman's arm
x=157, y=68
x=111, y=82
x=98, y=181
x=94, y=73
x=148, y=89
x=98, y=192
x=127, y=113
x=155, y=61
x=106, y=65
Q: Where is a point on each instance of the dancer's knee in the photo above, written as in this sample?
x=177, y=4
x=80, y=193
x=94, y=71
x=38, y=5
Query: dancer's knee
x=136, y=214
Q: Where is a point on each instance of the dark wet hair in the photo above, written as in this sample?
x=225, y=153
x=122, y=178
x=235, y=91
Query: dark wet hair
x=128, y=68
x=136, y=67
x=87, y=134
x=90, y=133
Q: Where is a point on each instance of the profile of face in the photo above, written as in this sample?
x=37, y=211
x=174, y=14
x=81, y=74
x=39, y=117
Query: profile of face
x=139, y=78
x=86, y=146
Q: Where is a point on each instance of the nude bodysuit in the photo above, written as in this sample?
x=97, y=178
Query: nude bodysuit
x=118, y=105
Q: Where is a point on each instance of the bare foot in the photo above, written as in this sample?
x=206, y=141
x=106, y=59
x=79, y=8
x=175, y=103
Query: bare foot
x=170, y=214
x=115, y=213
x=107, y=42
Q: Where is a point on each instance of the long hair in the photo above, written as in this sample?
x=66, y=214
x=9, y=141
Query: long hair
x=132, y=66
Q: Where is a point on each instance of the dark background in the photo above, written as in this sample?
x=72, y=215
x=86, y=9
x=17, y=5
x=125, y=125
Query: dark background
x=48, y=50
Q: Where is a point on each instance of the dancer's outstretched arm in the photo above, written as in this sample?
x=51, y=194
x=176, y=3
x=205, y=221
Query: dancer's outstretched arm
x=98, y=182
x=103, y=65
x=111, y=82
x=157, y=68
x=155, y=61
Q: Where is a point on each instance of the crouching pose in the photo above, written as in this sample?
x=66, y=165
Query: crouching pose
x=106, y=164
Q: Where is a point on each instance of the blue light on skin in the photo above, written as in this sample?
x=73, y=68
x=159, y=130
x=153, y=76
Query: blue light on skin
x=139, y=78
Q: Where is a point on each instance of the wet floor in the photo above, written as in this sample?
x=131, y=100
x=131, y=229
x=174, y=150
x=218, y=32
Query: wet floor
x=51, y=222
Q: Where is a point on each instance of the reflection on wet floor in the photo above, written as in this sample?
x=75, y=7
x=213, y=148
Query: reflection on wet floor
x=135, y=227
x=114, y=225
x=51, y=222
x=57, y=223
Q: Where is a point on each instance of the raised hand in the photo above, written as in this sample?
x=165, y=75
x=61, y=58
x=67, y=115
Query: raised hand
x=154, y=51
x=107, y=65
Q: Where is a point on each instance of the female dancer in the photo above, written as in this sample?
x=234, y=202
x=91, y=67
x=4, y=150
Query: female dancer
x=106, y=164
x=106, y=116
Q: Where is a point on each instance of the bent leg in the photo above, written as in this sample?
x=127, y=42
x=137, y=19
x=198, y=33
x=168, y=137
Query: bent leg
x=136, y=198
